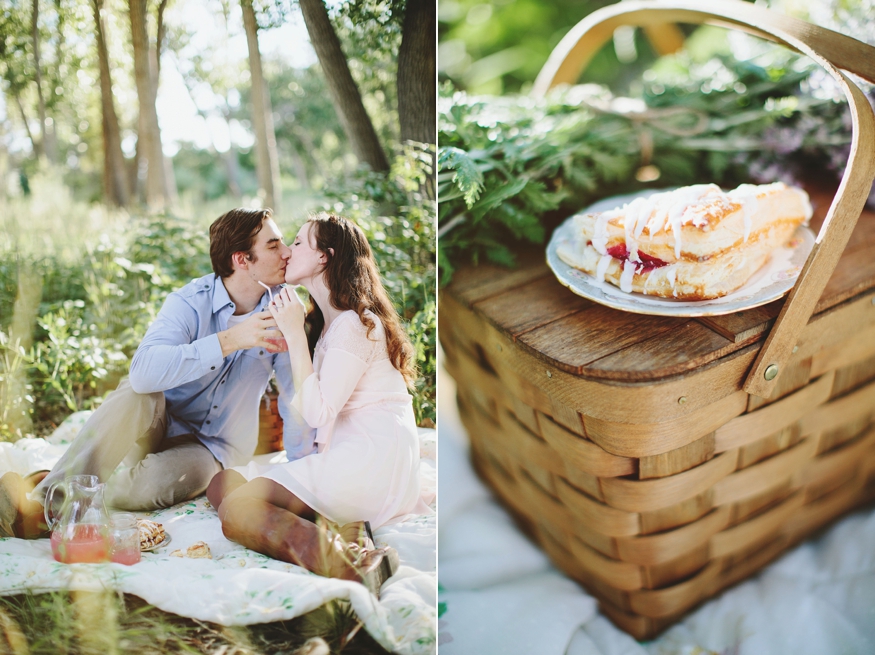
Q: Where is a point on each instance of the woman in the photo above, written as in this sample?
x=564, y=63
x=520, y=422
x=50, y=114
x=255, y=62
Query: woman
x=354, y=393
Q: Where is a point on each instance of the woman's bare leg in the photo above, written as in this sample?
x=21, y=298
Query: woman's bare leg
x=271, y=492
x=264, y=516
x=222, y=484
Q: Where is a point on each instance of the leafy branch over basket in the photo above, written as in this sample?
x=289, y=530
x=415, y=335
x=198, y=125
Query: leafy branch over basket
x=512, y=167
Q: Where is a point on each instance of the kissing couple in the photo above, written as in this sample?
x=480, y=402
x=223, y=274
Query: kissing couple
x=185, y=421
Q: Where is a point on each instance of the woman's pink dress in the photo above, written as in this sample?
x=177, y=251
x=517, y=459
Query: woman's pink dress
x=367, y=463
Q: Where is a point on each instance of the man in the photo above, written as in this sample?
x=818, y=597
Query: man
x=190, y=405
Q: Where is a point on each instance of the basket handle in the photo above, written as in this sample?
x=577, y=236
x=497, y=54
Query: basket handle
x=829, y=49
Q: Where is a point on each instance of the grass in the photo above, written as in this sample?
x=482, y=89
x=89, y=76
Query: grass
x=79, y=283
x=107, y=623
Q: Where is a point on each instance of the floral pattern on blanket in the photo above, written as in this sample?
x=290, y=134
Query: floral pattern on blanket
x=237, y=586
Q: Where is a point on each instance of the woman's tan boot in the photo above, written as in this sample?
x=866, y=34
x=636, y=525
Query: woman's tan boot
x=278, y=533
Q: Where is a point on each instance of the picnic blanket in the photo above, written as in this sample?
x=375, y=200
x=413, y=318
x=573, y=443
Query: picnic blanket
x=237, y=586
x=499, y=593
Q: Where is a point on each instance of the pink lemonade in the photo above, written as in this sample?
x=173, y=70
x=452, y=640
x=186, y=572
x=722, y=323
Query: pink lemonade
x=279, y=344
x=126, y=556
x=87, y=545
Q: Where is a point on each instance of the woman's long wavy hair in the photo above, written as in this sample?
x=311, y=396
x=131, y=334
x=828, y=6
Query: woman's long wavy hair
x=354, y=283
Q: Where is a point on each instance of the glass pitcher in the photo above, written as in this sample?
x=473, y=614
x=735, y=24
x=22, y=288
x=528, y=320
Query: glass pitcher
x=80, y=529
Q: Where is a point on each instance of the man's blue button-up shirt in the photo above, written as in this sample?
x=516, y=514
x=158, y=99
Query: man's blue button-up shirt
x=212, y=397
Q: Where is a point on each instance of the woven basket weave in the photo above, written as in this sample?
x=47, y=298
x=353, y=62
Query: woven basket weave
x=270, y=425
x=651, y=457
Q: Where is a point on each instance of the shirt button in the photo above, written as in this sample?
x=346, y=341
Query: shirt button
x=223, y=382
x=212, y=368
x=215, y=407
x=208, y=422
x=260, y=352
x=206, y=286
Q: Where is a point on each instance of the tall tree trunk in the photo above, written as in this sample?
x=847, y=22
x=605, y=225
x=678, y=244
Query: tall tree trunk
x=115, y=184
x=232, y=164
x=54, y=82
x=232, y=170
x=266, y=160
x=149, y=132
x=33, y=143
x=310, y=147
x=47, y=149
x=344, y=92
x=416, y=78
x=170, y=192
x=300, y=168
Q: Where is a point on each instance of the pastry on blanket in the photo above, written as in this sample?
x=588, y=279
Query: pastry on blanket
x=151, y=533
x=199, y=550
x=693, y=243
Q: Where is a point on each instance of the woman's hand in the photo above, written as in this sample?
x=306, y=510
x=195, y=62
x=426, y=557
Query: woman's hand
x=289, y=313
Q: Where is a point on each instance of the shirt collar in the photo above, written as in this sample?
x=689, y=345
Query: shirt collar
x=221, y=299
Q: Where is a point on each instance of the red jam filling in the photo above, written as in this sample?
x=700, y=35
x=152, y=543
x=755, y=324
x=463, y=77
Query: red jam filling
x=648, y=263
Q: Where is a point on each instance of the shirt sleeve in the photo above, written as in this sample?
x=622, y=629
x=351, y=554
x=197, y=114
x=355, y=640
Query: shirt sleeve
x=347, y=356
x=298, y=440
x=170, y=355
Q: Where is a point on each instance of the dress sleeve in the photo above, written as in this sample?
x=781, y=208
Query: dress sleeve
x=348, y=352
x=297, y=438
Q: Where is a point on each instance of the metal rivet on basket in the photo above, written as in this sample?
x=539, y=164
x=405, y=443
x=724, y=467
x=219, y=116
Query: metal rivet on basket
x=682, y=400
x=549, y=374
x=771, y=372
x=499, y=347
x=795, y=349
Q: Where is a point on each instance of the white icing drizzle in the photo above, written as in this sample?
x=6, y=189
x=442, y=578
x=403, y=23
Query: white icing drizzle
x=671, y=275
x=600, y=233
x=626, y=278
x=602, y=267
x=637, y=215
x=747, y=194
x=671, y=211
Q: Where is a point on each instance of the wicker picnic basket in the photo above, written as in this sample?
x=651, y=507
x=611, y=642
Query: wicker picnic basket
x=270, y=425
x=659, y=460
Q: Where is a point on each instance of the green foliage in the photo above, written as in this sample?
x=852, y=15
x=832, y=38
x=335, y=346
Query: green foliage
x=499, y=47
x=422, y=330
x=102, y=291
x=370, y=35
x=511, y=167
x=92, y=315
x=16, y=394
x=398, y=220
x=98, y=622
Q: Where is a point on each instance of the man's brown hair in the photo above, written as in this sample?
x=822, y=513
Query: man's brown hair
x=235, y=231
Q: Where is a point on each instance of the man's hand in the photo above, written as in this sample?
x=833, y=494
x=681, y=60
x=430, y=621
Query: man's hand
x=251, y=333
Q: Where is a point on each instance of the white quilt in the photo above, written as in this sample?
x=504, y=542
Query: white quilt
x=500, y=594
x=237, y=586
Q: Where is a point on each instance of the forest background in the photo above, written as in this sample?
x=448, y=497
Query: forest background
x=127, y=126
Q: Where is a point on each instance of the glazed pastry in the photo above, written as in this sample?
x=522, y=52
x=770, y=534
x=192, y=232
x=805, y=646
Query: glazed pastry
x=199, y=550
x=693, y=243
x=151, y=533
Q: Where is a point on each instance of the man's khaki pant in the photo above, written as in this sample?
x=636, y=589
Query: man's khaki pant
x=129, y=428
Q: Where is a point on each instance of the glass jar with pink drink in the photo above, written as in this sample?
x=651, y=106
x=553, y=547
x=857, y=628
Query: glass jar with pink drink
x=125, y=539
x=78, y=520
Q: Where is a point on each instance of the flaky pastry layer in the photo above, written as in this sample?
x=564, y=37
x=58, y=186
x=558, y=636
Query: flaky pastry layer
x=694, y=243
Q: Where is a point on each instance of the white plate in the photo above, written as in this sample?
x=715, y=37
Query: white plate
x=160, y=544
x=771, y=282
